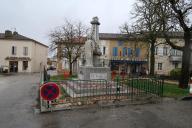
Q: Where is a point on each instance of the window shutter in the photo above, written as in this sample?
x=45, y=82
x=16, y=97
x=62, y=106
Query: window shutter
x=115, y=51
x=129, y=52
x=137, y=52
x=124, y=51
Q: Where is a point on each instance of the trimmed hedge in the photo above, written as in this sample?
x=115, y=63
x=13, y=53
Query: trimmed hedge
x=175, y=72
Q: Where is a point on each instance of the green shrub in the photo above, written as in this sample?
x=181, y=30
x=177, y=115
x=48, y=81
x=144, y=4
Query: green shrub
x=74, y=75
x=175, y=72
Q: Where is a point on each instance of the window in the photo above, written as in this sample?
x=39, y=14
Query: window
x=120, y=52
x=124, y=51
x=156, y=50
x=178, y=53
x=165, y=49
x=176, y=65
x=120, y=43
x=25, y=51
x=160, y=65
x=104, y=48
x=160, y=51
x=115, y=51
x=175, y=52
x=137, y=53
x=129, y=52
x=14, y=50
x=25, y=65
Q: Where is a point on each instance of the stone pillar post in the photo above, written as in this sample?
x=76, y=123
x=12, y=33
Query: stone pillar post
x=190, y=68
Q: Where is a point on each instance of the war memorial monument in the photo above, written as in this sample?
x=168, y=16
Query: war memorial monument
x=92, y=65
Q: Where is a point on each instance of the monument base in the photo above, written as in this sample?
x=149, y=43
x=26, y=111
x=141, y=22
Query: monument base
x=93, y=73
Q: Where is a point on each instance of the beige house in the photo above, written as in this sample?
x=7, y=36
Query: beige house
x=21, y=54
x=167, y=58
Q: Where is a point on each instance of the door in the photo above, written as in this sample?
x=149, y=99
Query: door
x=13, y=66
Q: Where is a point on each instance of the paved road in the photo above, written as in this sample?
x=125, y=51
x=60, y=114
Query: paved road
x=18, y=93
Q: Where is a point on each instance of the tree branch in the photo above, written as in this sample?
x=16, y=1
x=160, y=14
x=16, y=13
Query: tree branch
x=160, y=44
x=187, y=9
x=167, y=39
x=180, y=14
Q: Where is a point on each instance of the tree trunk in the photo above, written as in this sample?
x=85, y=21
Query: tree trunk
x=70, y=68
x=185, y=73
x=59, y=59
x=152, y=59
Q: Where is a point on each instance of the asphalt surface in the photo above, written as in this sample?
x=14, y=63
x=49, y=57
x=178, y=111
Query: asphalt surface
x=18, y=94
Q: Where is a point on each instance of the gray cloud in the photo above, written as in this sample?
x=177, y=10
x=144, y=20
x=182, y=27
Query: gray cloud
x=36, y=18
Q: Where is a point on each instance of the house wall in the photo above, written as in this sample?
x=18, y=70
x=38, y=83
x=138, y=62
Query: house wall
x=105, y=57
x=6, y=51
x=110, y=44
x=128, y=44
x=39, y=57
x=167, y=63
x=37, y=53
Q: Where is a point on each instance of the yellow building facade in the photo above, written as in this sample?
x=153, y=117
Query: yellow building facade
x=124, y=54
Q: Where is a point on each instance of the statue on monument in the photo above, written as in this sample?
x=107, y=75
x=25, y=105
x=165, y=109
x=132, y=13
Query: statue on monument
x=91, y=47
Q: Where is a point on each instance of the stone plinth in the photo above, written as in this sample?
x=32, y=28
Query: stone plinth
x=93, y=73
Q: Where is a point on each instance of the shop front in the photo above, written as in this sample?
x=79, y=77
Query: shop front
x=129, y=67
x=19, y=64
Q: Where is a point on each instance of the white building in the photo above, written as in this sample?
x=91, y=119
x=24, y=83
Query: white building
x=21, y=54
x=167, y=58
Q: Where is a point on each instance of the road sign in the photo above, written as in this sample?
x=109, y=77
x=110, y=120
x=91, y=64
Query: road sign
x=49, y=91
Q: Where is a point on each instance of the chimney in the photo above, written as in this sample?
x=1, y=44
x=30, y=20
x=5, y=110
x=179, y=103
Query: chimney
x=8, y=33
x=15, y=33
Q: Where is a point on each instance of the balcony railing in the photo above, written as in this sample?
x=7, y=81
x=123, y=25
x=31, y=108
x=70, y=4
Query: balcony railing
x=175, y=58
x=128, y=58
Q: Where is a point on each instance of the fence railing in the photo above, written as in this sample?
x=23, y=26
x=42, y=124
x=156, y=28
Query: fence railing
x=147, y=86
x=79, y=92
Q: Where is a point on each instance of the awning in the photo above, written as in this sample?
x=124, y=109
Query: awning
x=18, y=58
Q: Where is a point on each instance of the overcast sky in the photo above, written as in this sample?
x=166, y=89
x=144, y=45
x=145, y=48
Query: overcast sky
x=36, y=18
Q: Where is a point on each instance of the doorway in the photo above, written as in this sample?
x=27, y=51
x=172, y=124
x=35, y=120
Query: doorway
x=13, y=66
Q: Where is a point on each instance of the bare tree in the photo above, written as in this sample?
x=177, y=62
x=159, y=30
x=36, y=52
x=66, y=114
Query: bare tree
x=68, y=40
x=148, y=24
x=178, y=18
x=163, y=17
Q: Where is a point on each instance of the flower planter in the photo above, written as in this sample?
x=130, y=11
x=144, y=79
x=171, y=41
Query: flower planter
x=66, y=74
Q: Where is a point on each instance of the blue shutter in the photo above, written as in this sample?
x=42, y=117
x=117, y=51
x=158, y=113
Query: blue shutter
x=124, y=51
x=137, y=52
x=115, y=51
x=129, y=52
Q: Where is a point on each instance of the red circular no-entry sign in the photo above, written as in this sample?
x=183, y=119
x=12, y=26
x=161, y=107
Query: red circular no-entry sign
x=49, y=91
